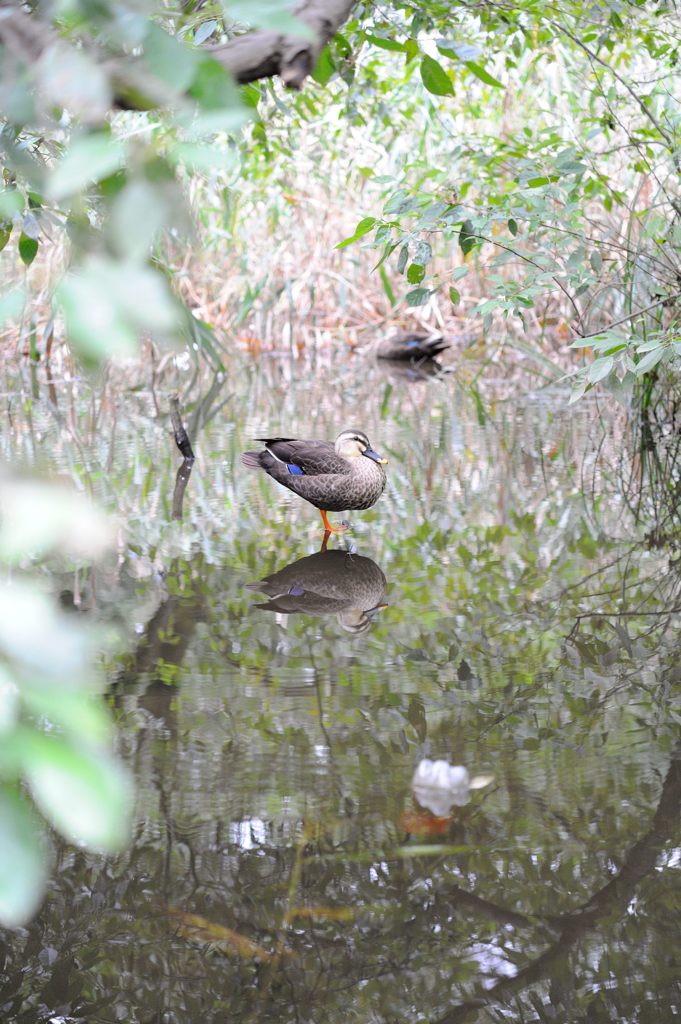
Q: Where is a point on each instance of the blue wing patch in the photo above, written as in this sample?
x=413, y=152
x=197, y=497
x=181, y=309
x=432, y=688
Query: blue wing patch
x=413, y=343
x=294, y=470
x=296, y=591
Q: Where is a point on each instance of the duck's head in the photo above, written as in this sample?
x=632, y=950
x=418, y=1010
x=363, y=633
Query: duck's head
x=358, y=620
x=353, y=443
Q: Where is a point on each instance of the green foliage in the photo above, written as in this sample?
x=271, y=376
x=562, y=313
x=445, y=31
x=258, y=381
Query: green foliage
x=56, y=736
x=573, y=206
x=108, y=187
x=544, y=143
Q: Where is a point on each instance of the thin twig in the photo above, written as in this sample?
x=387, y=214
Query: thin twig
x=632, y=316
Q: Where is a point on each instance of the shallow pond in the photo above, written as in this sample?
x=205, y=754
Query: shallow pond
x=281, y=867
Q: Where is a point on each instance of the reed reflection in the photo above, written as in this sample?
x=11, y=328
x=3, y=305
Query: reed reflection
x=349, y=586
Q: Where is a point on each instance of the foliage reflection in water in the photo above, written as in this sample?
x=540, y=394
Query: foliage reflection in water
x=282, y=868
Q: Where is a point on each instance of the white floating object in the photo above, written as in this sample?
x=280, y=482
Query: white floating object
x=439, y=786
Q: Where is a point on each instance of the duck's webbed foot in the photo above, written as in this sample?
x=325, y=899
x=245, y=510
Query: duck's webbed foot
x=333, y=529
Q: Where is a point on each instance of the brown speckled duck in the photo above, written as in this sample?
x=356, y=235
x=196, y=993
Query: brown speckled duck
x=345, y=474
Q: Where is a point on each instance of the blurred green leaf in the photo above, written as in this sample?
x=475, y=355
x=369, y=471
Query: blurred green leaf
x=202, y=157
x=271, y=15
x=82, y=791
x=138, y=214
x=35, y=635
x=9, y=702
x=11, y=305
x=72, y=524
x=417, y=297
x=88, y=159
x=71, y=79
x=11, y=203
x=107, y=304
x=169, y=59
x=76, y=711
x=23, y=862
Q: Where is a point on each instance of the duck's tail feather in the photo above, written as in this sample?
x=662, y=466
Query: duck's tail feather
x=252, y=459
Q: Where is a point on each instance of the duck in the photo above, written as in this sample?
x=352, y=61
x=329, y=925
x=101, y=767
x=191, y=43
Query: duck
x=411, y=346
x=334, y=476
x=349, y=586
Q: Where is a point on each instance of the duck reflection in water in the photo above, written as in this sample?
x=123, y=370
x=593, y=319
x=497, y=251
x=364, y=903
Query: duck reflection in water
x=339, y=583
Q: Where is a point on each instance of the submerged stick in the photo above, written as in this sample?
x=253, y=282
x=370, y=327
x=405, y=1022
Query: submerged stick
x=184, y=444
x=181, y=436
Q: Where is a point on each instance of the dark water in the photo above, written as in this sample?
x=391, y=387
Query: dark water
x=281, y=868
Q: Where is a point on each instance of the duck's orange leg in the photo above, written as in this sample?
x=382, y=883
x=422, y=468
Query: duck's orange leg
x=332, y=529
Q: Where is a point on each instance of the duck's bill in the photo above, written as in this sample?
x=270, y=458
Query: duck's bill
x=377, y=608
x=374, y=456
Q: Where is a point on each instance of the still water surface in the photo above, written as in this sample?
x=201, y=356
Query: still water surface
x=509, y=605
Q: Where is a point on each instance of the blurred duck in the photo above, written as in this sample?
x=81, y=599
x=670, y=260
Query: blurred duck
x=327, y=583
x=411, y=346
x=332, y=476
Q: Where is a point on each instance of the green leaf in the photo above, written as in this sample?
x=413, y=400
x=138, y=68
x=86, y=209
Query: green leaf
x=169, y=60
x=416, y=273
x=89, y=159
x=5, y=232
x=538, y=182
x=271, y=15
x=483, y=75
x=513, y=226
x=74, y=526
x=205, y=31
x=81, y=790
x=467, y=238
x=28, y=249
x=387, y=287
x=81, y=713
x=23, y=866
x=435, y=78
x=596, y=261
x=325, y=68
x=650, y=360
x=137, y=215
x=11, y=305
x=363, y=228
x=599, y=369
x=423, y=254
x=11, y=203
x=402, y=259
x=202, y=157
x=213, y=87
x=417, y=297
x=455, y=296
x=107, y=304
x=385, y=43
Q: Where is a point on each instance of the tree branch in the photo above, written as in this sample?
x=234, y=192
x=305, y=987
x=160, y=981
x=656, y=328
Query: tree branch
x=264, y=54
x=254, y=55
